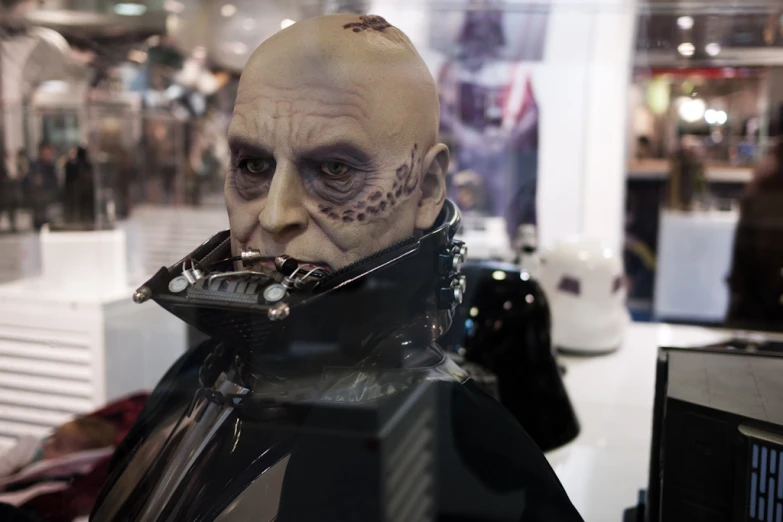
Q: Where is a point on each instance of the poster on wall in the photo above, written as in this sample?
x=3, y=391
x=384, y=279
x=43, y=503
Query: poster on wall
x=489, y=112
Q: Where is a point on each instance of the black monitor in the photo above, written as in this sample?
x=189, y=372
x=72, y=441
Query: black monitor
x=717, y=444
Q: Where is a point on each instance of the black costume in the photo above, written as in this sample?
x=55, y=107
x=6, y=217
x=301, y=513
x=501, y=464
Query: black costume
x=210, y=444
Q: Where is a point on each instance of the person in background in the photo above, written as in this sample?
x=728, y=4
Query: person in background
x=686, y=176
x=9, y=191
x=79, y=188
x=40, y=186
x=70, y=193
x=80, y=434
x=756, y=277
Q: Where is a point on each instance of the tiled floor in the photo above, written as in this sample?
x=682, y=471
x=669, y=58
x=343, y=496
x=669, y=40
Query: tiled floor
x=606, y=466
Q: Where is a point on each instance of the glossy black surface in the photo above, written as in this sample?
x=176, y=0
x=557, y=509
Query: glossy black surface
x=504, y=325
x=220, y=438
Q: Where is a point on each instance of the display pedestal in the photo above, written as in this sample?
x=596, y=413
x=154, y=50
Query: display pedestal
x=72, y=339
x=77, y=259
x=687, y=289
x=19, y=256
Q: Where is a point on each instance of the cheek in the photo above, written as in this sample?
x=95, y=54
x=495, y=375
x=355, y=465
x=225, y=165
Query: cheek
x=242, y=216
x=367, y=228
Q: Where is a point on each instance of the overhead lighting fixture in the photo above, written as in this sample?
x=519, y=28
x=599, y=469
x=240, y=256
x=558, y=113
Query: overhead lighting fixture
x=722, y=117
x=287, y=22
x=130, y=9
x=712, y=49
x=685, y=22
x=686, y=49
x=498, y=275
x=691, y=109
x=228, y=10
x=711, y=116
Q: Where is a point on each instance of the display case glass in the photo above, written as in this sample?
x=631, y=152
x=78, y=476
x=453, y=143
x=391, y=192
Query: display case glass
x=325, y=203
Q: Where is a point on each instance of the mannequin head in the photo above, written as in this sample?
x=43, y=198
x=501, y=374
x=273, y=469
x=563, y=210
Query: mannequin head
x=334, y=143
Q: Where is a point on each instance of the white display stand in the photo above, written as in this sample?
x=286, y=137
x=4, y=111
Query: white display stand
x=20, y=256
x=72, y=339
x=694, y=260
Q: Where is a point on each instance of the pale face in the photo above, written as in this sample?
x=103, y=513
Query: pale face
x=320, y=172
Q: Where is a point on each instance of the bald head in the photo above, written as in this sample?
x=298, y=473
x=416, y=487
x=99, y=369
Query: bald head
x=356, y=57
x=334, y=142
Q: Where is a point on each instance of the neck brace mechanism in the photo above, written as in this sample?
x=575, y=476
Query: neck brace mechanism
x=372, y=312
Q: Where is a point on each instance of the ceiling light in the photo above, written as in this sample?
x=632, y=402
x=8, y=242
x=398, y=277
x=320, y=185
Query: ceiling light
x=287, y=22
x=686, y=49
x=129, y=9
x=685, y=22
x=692, y=110
x=228, y=10
x=713, y=49
x=711, y=116
x=498, y=275
x=722, y=117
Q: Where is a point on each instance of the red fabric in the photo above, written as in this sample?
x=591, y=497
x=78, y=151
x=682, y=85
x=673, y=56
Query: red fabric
x=78, y=499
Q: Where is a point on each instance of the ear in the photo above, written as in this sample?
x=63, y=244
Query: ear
x=433, y=185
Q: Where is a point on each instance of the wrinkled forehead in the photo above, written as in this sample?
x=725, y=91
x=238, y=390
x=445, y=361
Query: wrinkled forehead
x=308, y=99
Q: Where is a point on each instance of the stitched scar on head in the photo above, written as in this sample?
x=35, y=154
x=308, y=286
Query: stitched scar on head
x=368, y=23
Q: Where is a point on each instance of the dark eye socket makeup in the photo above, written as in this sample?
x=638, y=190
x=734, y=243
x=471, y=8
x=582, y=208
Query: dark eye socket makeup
x=341, y=151
x=264, y=166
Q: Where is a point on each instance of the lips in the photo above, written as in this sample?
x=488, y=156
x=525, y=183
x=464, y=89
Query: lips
x=269, y=263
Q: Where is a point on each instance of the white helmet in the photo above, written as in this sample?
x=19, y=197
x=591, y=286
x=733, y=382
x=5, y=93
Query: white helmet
x=584, y=281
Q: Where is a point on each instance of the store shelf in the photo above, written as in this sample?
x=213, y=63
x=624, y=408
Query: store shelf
x=652, y=170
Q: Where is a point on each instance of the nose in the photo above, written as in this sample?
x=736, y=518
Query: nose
x=283, y=212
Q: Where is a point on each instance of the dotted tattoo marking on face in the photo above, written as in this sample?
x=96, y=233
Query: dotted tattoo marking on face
x=378, y=202
x=368, y=23
x=407, y=175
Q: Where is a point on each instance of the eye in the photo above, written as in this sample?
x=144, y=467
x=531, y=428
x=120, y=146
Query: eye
x=334, y=168
x=255, y=165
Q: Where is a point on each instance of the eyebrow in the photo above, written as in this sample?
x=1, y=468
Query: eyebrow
x=341, y=149
x=243, y=144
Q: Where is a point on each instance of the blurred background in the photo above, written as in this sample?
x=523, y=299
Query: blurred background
x=650, y=126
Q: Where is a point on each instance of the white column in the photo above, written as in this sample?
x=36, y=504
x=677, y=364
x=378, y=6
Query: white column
x=583, y=89
x=14, y=54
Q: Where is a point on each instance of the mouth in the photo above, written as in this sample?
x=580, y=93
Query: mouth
x=290, y=264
